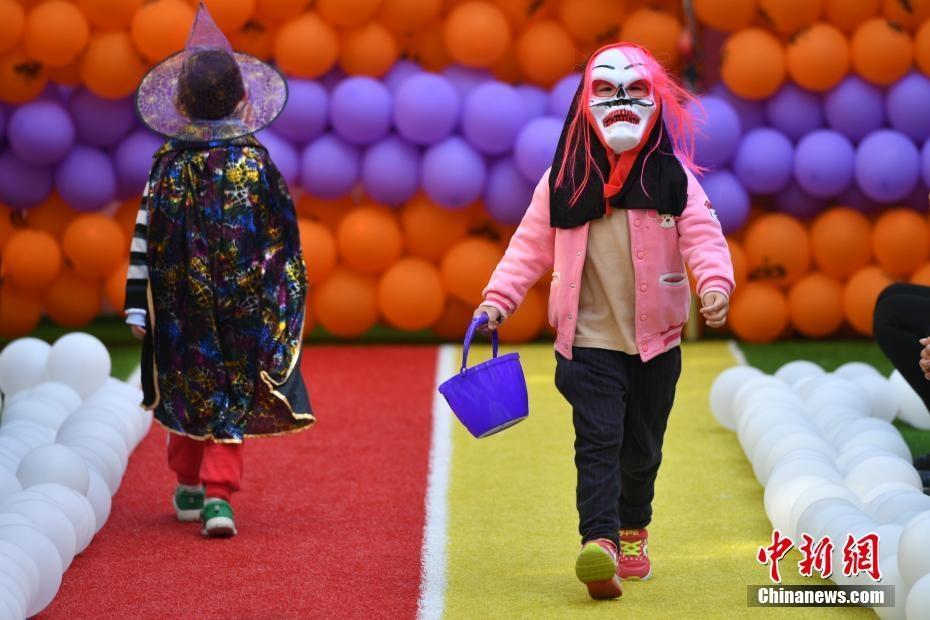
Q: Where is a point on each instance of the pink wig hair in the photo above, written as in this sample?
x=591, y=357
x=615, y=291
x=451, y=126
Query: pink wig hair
x=672, y=101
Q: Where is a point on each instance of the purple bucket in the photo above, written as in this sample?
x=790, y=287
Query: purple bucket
x=491, y=396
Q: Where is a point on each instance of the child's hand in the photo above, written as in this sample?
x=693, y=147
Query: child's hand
x=714, y=309
x=138, y=332
x=925, y=358
x=494, y=318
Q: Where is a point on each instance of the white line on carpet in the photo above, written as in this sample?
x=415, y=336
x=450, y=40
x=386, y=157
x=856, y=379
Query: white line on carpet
x=433, y=558
x=737, y=353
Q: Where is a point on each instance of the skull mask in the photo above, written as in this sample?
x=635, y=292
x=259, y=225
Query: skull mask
x=620, y=100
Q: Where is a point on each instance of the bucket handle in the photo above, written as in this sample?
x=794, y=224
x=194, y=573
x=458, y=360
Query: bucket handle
x=477, y=322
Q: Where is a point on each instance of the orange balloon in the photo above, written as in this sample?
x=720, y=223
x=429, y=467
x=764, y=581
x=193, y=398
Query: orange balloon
x=657, y=31
x=111, y=14
x=507, y=69
x=527, y=322
x=740, y=263
x=410, y=295
x=921, y=276
x=231, y=15
x=545, y=52
x=778, y=249
x=22, y=78
x=31, y=260
x=319, y=250
x=370, y=239
x=20, y=311
x=12, y=24
x=592, y=21
x=408, y=15
x=69, y=75
x=789, y=16
x=52, y=216
x=922, y=47
x=759, y=313
x=859, y=297
x=726, y=15
x=467, y=267
x=428, y=48
x=476, y=34
x=521, y=13
x=160, y=28
x=347, y=303
x=306, y=46
x=900, y=242
x=279, y=10
x=754, y=64
x=429, y=230
x=347, y=13
x=114, y=287
x=7, y=229
x=56, y=32
x=818, y=57
x=848, y=14
x=126, y=217
x=454, y=321
x=841, y=242
x=94, y=245
x=881, y=52
x=309, y=323
x=907, y=13
x=256, y=38
x=329, y=213
x=72, y=301
x=368, y=50
x=815, y=305
x=111, y=67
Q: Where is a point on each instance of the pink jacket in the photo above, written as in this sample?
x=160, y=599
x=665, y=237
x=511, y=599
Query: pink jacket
x=660, y=246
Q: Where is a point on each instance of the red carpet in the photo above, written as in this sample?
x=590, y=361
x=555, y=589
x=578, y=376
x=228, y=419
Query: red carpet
x=330, y=520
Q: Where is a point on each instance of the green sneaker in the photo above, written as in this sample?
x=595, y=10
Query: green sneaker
x=188, y=504
x=217, y=517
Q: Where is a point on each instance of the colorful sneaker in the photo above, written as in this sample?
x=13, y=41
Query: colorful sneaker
x=188, y=504
x=217, y=517
x=634, y=555
x=596, y=567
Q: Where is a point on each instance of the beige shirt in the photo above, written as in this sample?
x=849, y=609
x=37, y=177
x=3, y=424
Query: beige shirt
x=607, y=300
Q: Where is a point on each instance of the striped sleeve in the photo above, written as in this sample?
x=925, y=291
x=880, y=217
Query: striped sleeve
x=137, y=278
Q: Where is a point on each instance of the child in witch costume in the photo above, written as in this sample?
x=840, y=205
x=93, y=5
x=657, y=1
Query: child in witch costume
x=217, y=282
x=618, y=216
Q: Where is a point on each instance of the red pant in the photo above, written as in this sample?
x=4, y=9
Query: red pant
x=217, y=465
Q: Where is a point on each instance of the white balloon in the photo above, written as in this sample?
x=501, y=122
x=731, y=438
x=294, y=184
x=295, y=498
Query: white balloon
x=59, y=392
x=756, y=423
x=815, y=518
x=852, y=455
x=918, y=599
x=44, y=553
x=53, y=463
x=810, y=497
x=9, y=461
x=887, y=506
x=99, y=497
x=792, y=372
x=913, y=559
x=28, y=432
x=841, y=527
x=911, y=408
x=830, y=421
x=132, y=393
x=878, y=470
x=751, y=387
x=100, y=458
x=97, y=430
x=35, y=409
x=804, y=463
x=103, y=414
x=723, y=391
x=15, y=446
x=80, y=361
x=856, y=370
x=888, y=440
x=26, y=564
x=891, y=576
x=12, y=588
x=48, y=519
x=883, y=488
x=9, y=484
x=76, y=507
x=882, y=401
x=779, y=498
x=786, y=444
x=22, y=365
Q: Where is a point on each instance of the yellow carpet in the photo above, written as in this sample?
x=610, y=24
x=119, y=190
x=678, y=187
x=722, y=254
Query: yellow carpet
x=513, y=526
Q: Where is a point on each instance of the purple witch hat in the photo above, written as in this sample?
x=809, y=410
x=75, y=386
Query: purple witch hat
x=157, y=97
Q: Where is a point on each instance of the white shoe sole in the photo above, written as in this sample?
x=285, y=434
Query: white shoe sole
x=186, y=516
x=219, y=527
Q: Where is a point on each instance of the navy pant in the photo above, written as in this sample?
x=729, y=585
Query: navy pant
x=620, y=407
x=900, y=321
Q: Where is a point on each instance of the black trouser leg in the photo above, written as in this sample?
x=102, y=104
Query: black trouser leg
x=901, y=320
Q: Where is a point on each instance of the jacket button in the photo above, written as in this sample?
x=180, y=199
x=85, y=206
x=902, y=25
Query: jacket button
x=645, y=348
x=640, y=254
x=572, y=285
x=642, y=317
x=636, y=222
x=643, y=288
x=570, y=317
x=577, y=253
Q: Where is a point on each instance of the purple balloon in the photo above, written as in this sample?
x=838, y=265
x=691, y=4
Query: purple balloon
x=332, y=78
x=718, y=132
x=535, y=146
x=764, y=161
x=492, y=117
x=508, y=193
x=426, y=108
x=23, y=185
x=361, y=110
x=391, y=171
x=795, y=201
x=306, y=114
x=86, y=179
x=925, y=163
x=855, y=108
x=133, y=161
x=729, y=199
x=887, y=165
x=560, y=100
x=329, y=167
x=466, y=79
x=453, y=173
x=41, y=132
x=917, y=199
x=824, y=162
x=283, y=154
x=908, y=100
x=3, y=115
x=101, y=122
x=855, y=199
x=399, y=73
x=794, y=111
x=751, y=113
x=535, y=100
